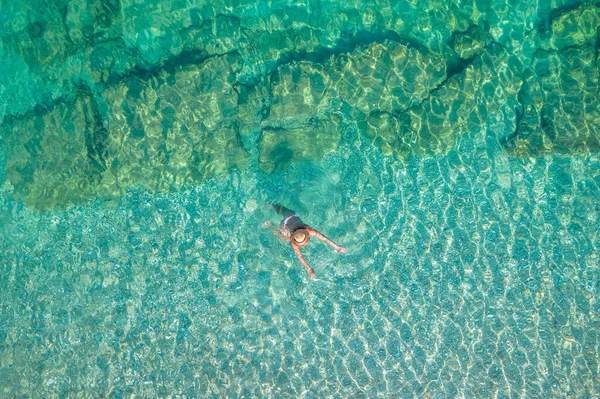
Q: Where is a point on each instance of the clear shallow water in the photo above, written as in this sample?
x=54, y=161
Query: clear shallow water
x=459, y=169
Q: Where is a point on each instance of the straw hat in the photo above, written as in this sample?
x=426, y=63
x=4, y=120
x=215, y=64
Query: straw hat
x=300, y=237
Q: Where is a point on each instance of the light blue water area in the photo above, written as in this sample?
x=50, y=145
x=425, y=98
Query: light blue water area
x=453, y=152
x=455, y=283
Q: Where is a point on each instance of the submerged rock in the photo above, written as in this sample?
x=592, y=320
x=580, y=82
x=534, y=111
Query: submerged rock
x=55, y=156
x=559, y=109
x=168, y=104
x=310, y=102
x=160, y=131
x=471, y=42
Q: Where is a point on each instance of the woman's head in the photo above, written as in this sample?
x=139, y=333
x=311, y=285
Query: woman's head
x=300, y=237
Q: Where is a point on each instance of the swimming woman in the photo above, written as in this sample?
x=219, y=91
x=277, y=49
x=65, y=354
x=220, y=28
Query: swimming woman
x=298, y=233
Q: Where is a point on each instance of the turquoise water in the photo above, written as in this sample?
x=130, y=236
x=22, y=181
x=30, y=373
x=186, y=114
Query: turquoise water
x=451, y=147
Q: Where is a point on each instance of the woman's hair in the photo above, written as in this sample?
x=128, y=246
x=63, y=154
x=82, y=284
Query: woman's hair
x=300, y=237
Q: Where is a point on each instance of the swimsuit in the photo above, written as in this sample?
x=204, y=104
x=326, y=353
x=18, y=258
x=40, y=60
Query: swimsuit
x=291, y=221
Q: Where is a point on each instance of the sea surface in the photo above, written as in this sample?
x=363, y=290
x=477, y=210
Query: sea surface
x=453, y=147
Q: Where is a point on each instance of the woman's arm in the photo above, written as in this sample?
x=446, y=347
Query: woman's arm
x=327, y=240
x=311, y=272
x=281, y=235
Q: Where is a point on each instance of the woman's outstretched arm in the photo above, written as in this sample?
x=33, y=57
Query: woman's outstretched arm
x=311, y=272
x=321, y=237
x=280, y=234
